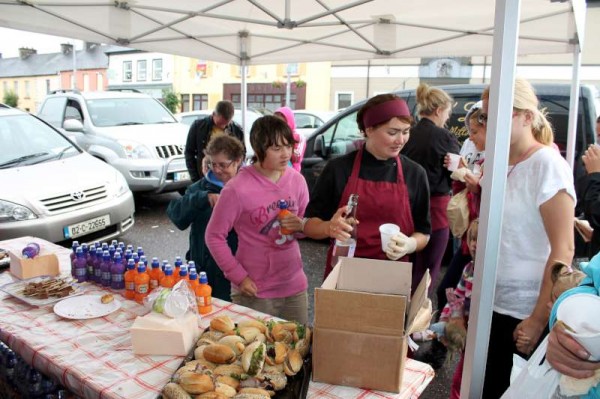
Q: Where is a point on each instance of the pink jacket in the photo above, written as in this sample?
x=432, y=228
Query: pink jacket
x=300, y=146
x=248, y=204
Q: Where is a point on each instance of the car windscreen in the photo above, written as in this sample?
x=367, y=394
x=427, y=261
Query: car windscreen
x=107, y=112
x=27, y=140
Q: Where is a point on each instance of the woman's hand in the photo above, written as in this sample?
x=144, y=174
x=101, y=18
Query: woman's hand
x=591, y=159
x=248, y=288
x=340, y=227
x=291, y=222
x=527, y=334
x=472, y=182
x=567, y=356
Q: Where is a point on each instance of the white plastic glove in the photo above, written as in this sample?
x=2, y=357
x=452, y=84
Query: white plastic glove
x=400, y=245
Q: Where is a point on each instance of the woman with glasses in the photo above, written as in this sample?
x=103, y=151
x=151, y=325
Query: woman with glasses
x=224, y=158
x=428, y=146
x=391, y=188
x=537, y=232
x=266, y=272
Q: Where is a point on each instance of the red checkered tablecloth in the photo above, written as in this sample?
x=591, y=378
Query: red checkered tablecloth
x=93, y=358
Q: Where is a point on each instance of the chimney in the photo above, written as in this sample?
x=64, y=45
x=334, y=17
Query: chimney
x=25, y=52
x=66, y=48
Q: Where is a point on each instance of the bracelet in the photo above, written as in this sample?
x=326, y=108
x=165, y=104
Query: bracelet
x=304, y=220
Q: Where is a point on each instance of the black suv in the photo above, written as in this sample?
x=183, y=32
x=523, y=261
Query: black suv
x=334, y=137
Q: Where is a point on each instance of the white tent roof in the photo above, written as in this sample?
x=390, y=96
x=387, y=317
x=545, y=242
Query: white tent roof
x=283, y=31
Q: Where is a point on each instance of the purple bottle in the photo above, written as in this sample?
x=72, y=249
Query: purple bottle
x=128, y=255
x=114, y=243
x=73, y=256
x=31, y=250
x=98, y=266
x=140, y=251
x=111, y=251
x=80, y=266
x=90, y=263
x=117, y=270
x=106, y=267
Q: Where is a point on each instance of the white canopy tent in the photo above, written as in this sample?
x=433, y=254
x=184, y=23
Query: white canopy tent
x=247, y=32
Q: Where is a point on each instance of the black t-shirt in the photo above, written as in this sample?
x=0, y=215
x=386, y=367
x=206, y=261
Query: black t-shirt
x=326, y=194
x=428, y=145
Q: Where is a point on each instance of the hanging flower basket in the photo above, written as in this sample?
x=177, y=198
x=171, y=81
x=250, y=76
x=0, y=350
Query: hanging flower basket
x=300, y=83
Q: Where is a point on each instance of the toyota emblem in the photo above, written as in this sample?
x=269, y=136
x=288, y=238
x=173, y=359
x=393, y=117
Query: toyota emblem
x=77, y=195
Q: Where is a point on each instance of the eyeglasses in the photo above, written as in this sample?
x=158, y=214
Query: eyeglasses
x=220, y=165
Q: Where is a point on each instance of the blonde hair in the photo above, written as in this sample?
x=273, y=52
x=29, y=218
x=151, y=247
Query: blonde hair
x=431, y=98
x=525, y=99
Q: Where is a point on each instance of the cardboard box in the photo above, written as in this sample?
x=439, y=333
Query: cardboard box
x=52, y=260
x=363, y=317
x=157, y=334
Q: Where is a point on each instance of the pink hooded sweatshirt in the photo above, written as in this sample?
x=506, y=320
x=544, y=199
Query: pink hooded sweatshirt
x=300, y=146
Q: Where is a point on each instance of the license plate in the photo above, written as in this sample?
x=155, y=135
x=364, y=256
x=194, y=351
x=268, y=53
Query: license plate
x=86, y=227
x=178, y=176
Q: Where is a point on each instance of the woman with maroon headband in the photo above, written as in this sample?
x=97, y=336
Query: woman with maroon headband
x=391, y=187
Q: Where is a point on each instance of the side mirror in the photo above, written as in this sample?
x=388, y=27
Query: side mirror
x=73, y=125
x=320, y=147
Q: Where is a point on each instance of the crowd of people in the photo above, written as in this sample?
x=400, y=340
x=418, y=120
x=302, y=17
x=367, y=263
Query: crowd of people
x=401, y=174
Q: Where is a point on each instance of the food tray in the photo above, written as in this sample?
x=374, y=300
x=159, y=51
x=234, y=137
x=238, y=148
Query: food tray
x=296, y=387
x=15, y=289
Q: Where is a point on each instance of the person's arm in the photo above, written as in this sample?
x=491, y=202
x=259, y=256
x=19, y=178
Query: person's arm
x=557, y=215
x=191, y=152
x=567, y=356
x=182, y=211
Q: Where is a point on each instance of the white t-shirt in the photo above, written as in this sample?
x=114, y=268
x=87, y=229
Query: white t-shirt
x=469, y=152
x=524, y=245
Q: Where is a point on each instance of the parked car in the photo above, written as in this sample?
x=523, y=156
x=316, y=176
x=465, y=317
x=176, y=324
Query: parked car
x=340, y=134
x=131, y=131
x=52, y=189
x=251, y=115
x=307, y=121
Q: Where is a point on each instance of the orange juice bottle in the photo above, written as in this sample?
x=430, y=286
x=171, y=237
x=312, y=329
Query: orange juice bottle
x=155, y=274
x=193, y=279
x=183, y=273
x=177, y=264
x=283, y=211
x=129, y=278
x=168, y=281
x=142, y=283
x=204, y=295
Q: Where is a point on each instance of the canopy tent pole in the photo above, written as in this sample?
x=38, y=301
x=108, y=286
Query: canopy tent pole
x=504, y=52
x=243, y=37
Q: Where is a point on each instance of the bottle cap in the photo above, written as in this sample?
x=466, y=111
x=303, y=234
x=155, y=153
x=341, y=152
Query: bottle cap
x=203, y=278
x=168, y=270
x=130, y=264
x=282, y=204
x=141, y=268
x=178, y=261
x=106, y=255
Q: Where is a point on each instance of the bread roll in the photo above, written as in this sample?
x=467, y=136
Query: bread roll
x=196, y=383
x=253, y=358
x=220, y=354
x=222, y=323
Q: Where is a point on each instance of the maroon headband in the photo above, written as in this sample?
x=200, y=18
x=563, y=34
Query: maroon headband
x=385, y=111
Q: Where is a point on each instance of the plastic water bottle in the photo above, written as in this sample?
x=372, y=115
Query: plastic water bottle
x=283, y=212
x=347, y=247
x=183, y=273
x=128, y=255
x=91, y=259
x=122, y=246
x=31, y=250
x=106, y=266
x=74, y=248
x=114, y=243
x=80, y=266
x=155, y=274
x=129, y=278
x=164, y=264
x=177, y=264
x=98, y=266
x=142, y=284
x=117, y=270
x=191, y=265
x=204, y=295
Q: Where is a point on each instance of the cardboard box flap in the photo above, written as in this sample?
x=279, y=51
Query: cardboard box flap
x=420, y=308
x=360, y=312
x=374, y=276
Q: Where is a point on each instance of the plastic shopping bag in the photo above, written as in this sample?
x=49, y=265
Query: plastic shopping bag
x=537, y=379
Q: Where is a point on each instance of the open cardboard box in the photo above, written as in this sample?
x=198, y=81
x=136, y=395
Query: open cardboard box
x=47, y=263
x=363, y=317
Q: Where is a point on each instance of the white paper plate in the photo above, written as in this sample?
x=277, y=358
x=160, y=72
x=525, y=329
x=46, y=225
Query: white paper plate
x=85, y=307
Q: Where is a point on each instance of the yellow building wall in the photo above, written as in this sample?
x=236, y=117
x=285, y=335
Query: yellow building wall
x=31, y=90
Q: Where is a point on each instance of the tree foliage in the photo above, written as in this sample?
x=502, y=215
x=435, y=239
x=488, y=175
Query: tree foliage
x=11, y=99
x=171, y=100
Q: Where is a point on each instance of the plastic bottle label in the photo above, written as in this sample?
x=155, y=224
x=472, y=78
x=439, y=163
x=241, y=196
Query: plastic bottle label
x=105, y=275
x=80, y=272
x=98, y=273
x=90, y=270
x=204, y=300
x=142, y=289
x=117, y=277
x=130, y=285
x=153, y=284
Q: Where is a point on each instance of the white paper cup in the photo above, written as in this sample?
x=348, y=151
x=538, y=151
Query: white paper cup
x=387, y=230
x=581, y=312
x=454, y=162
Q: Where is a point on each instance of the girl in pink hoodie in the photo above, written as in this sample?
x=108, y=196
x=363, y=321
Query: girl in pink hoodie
x=266, y=272
x=298, y=154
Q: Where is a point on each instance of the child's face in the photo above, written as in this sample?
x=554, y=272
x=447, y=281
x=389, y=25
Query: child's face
x=472, y=241
x=277, y=156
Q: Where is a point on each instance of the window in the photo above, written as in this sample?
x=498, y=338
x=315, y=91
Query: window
x=157, y=69
x=5, y=87
x=343, y=100
x=99, y=81
x=27, y=90
x=185, y=102
x=47, y=86
x=141, y=70
x=127, y=71
x=268, y=101
x=200, y=101
x=292, y=69
x=344, y=135
x=16, y=87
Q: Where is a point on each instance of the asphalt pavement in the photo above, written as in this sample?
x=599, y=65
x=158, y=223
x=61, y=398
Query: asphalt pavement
x=159, y=237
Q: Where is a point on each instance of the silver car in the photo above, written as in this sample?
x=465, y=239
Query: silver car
x=53, y=190
x=133, y=132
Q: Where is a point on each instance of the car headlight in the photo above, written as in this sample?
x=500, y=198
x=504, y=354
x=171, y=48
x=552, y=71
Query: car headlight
x=11, y=212
x=135, y=150
x=121, y=184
